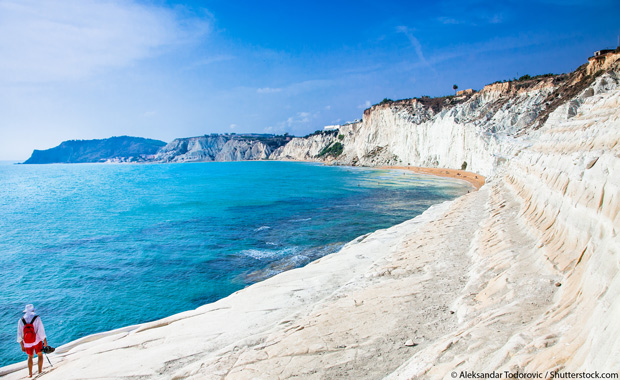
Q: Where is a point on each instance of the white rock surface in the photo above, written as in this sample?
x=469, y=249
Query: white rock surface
x=303, y=149
x=212, y=148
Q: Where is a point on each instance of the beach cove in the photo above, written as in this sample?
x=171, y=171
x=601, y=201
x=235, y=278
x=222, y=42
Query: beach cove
x=287, y=313
x=118, y=236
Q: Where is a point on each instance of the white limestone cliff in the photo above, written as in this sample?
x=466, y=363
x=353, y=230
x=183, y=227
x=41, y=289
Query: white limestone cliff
x=554, y=218
x=213, y=148
x=446, y=132
x=303, y=148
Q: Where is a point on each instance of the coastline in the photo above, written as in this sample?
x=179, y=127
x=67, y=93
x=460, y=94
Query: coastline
x=474, y=179
x=67, y=350
x=242, y=320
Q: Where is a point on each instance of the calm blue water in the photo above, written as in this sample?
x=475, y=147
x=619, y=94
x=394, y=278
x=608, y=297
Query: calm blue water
x=97, y=247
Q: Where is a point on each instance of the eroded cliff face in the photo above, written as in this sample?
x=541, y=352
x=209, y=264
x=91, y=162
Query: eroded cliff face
x=567, y=181
x=542, y=292
x=304, y=148
x=219, y=148
x=446, y=133
x=478, y=130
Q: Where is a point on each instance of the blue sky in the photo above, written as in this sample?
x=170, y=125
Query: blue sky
x=83, y=69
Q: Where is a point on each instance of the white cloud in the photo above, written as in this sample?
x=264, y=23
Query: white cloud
x=495, y=19
x=53, y=40
x=309, y=85
x=416, y=45
x=295, y=123
x=268, y=90
x=210, y=60
x=304, y=117
x=298, y=87
x=449, y=21
x=366, y=104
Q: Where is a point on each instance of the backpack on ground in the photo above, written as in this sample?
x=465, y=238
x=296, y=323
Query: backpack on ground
x=30, y=335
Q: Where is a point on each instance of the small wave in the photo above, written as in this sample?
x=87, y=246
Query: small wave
x=259, y=254
x=276, y=268
x=262, y=228
x=266, y=254
x=301, y=220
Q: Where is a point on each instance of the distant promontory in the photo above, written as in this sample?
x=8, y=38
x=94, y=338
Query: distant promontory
x=115, y=149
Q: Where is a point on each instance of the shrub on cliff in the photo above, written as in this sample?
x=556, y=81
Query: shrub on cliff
x=333, y=150
x=524, y=77
x=320, y=132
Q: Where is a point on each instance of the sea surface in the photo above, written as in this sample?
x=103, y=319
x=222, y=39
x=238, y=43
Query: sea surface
x=97, y=247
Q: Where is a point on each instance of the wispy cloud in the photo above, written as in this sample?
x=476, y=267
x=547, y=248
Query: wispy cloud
x=497, y=18
x=416, y=45
x=449, y=21
x=210, y=60
x=475, y=12
x=44, y=41
x=496, y=45
x=295, y=123
x=298, y=87
x=366, y=104
x=480, y=19
x=268, y=90
x=300, y=118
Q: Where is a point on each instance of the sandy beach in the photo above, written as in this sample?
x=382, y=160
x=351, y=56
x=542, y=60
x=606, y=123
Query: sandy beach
x=475, y=179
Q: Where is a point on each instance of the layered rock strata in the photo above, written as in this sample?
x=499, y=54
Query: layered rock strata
x=220, y=148
x=474, y=131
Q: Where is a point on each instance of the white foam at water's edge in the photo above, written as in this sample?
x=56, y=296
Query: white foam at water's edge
x=263, y=254
x=301, y=220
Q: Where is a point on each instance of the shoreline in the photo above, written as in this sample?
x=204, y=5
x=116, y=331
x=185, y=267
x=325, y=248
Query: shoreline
x=117, y=333
x=474, y=179
x=238, y=324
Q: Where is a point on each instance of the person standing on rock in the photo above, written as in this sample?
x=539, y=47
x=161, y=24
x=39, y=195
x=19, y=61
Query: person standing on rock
x=31, y=336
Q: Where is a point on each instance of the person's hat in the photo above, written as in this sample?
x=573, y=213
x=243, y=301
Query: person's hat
x=29, y=308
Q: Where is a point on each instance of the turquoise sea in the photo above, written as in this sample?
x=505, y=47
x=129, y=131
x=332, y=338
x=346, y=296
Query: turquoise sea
x=97, y=247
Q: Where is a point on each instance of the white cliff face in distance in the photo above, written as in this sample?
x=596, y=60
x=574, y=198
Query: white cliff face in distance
x=219, y=148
